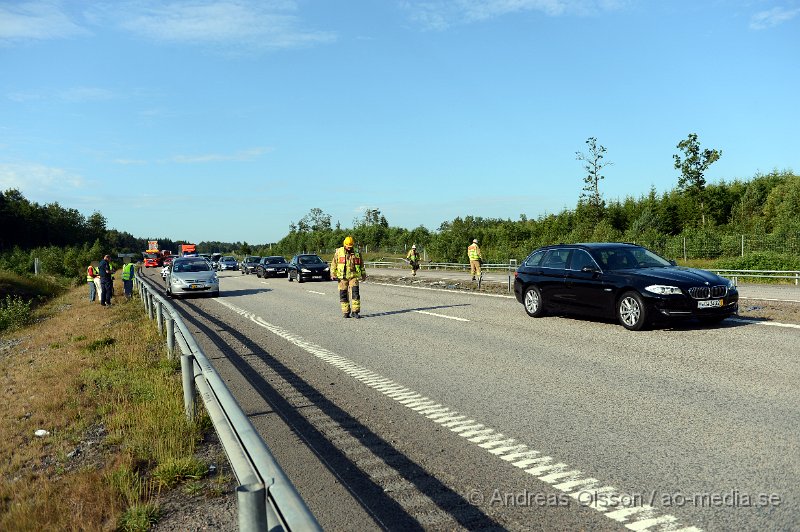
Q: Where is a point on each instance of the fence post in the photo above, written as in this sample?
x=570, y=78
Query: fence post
x=150, y=312
x=187, y=374
x=169, y=324
x=742, y=245
x=684, y=249
x=159, y=317
x=252, y=499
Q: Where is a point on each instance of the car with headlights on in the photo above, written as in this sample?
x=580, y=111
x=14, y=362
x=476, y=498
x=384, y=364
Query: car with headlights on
x=191, y=275
x=227, y=263
x=308, y=267
x=274, y=266
x=621, y=281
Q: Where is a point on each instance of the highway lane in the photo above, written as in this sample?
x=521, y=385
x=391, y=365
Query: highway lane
x=594, y=411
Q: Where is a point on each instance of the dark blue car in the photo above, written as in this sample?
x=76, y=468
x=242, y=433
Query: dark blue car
x=622, y=281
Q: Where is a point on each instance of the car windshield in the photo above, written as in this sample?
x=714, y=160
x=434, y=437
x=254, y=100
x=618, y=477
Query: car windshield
x=190, y=266
x=228, y=259
x=252, y=259
x=309, y=259
x=275, y=260
x=629, y=258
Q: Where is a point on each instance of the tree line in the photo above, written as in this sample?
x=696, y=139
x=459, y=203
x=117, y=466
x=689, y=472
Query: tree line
x=767, y=204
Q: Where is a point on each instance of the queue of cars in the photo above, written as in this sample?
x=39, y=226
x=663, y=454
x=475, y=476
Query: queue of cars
x=621, y=281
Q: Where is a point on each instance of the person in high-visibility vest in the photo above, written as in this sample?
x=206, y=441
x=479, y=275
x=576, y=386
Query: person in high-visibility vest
x=475, y=258
x=127, y=279
x=347, y=267
x=413, y=260
x=91, y=273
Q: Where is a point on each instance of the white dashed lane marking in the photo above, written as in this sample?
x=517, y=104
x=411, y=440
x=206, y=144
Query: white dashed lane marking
x=313, y=292
x=589, y=492
x=440, y=315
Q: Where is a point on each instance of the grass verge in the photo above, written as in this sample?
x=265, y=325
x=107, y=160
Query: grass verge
x=98, y=381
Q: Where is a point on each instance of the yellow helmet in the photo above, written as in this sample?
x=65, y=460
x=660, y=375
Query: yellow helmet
x=348, y=242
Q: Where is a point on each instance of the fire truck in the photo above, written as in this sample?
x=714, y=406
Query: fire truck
x=188, y=250
x=152, y=257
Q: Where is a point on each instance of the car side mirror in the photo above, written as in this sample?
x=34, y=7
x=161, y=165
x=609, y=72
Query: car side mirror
x=673, y=262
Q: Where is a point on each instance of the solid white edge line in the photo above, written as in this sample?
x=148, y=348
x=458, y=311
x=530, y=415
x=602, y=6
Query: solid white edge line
x=313, y=292
x=441, y=315
x=548, y=469
x=768, y=299
x=765, y=323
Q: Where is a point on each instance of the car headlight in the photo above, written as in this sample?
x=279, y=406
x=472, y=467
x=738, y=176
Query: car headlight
x=663, y=290
x=326, y=269
x=305, y=270
x=731, y=284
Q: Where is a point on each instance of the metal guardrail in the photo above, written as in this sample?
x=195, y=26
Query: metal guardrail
x=399, y=263
x=734, y=275
x=266, y=498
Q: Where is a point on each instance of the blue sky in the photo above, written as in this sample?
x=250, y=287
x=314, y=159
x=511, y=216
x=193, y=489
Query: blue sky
x=228, y=119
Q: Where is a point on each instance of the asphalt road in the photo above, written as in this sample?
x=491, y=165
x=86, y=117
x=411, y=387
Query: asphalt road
x=448, y=410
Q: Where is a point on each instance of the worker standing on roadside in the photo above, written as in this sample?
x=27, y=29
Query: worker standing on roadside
x=127, y=279
x=106, y=281
x=347, y=267
x=413, y=260
x=91, y=273
x=475, y=258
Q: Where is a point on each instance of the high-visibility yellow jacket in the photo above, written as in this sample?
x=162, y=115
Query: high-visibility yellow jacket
x=413, y=256
x=347, y=265
x=474, y=252
x=127, y=272
x=91, y=273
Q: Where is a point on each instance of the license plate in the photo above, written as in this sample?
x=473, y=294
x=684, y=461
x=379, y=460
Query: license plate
x=195, y=286
x=711, y=303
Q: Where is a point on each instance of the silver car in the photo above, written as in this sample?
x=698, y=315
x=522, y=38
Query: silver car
x=192, y=275
x=227, y=263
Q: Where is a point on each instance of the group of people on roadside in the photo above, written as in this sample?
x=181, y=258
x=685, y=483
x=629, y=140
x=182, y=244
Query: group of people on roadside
x=100, y=279
x=347, y=267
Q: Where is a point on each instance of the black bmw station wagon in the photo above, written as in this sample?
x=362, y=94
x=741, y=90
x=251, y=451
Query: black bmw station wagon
x=622, y=281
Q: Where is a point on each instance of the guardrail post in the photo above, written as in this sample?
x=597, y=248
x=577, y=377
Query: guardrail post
x=187, y=374
x=252, y=499
x=169, y=325
x=150, y=304
x=159, y=317
x=509, y=284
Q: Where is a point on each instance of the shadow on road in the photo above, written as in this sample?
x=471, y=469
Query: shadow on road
x=406, y=310
x=372, y=497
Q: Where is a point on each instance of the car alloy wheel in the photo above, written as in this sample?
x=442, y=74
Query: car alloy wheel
x=631, y=311
x=533, y=302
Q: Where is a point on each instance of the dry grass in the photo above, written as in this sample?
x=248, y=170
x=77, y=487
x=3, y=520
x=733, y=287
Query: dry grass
x=98, y=380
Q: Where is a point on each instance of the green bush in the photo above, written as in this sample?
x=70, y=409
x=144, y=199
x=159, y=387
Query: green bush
x=761, y=260
x=15, y=312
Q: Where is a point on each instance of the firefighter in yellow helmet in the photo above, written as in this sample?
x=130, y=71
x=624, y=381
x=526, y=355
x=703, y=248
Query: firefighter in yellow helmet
x=348, y=268
x=413, y=260
x=475, y=258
